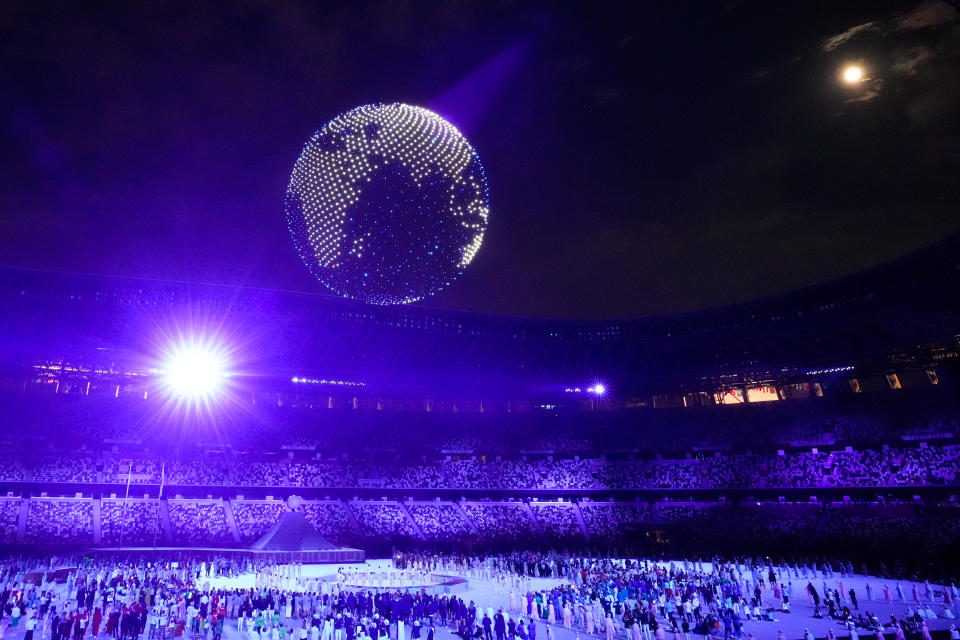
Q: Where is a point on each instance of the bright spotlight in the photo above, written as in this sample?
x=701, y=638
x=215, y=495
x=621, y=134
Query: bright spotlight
x=194, y=372
x=852, y=74
x=598, y=389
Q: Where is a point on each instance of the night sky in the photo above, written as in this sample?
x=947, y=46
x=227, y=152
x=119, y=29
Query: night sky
x=643, y=158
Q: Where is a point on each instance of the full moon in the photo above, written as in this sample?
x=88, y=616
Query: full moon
x=387, y=203
x=853, y=74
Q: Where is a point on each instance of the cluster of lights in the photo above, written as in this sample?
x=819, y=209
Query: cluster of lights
x=337, y=383
x=597, y=389
x=66, y=368
x=387, y=203
x=831, y=370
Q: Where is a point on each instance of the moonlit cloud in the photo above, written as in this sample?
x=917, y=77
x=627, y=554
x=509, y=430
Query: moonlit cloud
x=909, y=60
x=933, y=13
x=840, y=39
x=925, y=15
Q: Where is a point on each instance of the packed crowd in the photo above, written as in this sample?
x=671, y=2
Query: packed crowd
x=557, y=521
x=49, y=519
x=888, y=467
x=608, y=521
x=9, y=515
x=10, y=468
x=385, y=519
x=644, y=598
x=440, y=521
x=594, y=595
x=138, y=522
x=330, y=517
x=130, y=522
x=254, y=518
x=199, y=522
x=504, y=521
x=855, y=528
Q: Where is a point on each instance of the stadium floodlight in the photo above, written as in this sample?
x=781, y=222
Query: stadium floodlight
x=194, y=371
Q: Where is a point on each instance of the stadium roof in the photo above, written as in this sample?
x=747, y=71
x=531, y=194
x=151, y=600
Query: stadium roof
x=906, y=311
